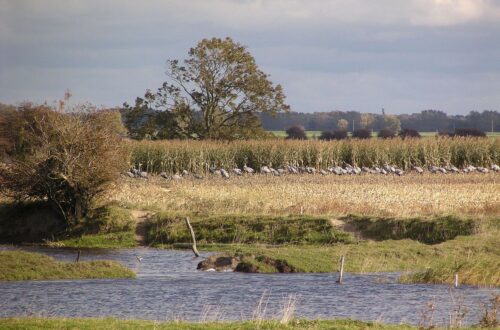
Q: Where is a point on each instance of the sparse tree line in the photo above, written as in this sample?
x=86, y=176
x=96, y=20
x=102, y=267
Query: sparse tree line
x=424, y=121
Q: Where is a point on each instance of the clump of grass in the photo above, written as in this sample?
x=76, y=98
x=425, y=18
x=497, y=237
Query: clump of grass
x=99, y=240
x=111, y=219
x=168, y=229
x=197, y=156
x=429, y=231
x=19, y=265
x=480, y=270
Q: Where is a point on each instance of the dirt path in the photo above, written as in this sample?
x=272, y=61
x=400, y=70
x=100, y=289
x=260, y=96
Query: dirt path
x=347, y=227
x=141, y=218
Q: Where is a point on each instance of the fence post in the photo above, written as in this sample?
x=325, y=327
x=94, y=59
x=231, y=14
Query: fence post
x=341, y=270
x=456, y=281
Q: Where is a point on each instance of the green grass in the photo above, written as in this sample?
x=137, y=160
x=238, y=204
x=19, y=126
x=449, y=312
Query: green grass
x=429, y=231
x=309, y=134
x=479, y=270
x=19, y=265
x=101, y=240
x=167, y=228
x=110, y=324
x=248, y=229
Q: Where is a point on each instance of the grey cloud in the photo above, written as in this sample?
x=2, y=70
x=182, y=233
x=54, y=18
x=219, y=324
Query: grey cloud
x=358, y=54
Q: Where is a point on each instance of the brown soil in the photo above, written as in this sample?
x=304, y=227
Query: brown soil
x=141, y=218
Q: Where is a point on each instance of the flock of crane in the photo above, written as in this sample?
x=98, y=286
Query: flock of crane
x=347, y=169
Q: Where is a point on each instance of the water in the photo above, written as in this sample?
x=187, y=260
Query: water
x=168, y=286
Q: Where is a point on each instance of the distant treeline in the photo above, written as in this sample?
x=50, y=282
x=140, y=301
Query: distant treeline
x=425, y=121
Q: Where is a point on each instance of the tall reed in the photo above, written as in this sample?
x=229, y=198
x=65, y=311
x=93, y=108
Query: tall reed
x=197, y=156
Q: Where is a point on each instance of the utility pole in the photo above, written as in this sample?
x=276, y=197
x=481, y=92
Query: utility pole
x=353, y=125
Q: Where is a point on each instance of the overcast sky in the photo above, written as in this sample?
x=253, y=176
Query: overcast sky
x=402, y=55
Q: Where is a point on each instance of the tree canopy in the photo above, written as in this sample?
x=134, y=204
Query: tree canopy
x=216, y=92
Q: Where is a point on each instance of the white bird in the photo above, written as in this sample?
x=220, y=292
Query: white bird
x=247, y=169
x=471, y=168
x=323, y=172
x=399, y=172
x=482, y=170
x=495, y=168
x=224, y=173
x=310, y=170
x=433, y=169
x=265, y=170
x=418, y=169
x=139, y=258
x=176, y=177
x=184, y=172
x=237, y=171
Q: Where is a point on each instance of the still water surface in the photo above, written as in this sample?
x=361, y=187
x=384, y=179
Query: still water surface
x=168, y=286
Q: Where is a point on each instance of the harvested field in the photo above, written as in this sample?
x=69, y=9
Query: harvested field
x=475, y=194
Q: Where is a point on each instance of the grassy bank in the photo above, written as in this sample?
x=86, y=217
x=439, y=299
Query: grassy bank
x=475, y=258
x=109, y=323
x=18, y=265
x=109, y=226
x=197, y=156
x=245, y=229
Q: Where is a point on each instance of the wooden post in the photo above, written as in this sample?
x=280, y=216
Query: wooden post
x=78, y=256
x=193, y=246
x=456, y=281
x=341, y=270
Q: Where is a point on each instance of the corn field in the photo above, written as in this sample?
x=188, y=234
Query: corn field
x=197, y=156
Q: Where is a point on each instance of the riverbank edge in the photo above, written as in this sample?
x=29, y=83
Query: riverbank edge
x=23, y=266
x=112, y=323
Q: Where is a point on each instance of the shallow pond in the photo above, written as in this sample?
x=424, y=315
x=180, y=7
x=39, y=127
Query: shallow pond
x=168, y=286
